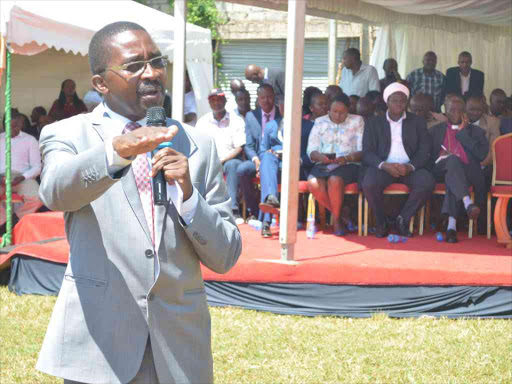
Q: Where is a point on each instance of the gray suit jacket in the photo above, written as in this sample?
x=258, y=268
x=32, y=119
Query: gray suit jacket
x=110, y=300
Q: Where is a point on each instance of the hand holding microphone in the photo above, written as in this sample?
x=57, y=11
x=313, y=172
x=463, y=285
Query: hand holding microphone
x=168, y=165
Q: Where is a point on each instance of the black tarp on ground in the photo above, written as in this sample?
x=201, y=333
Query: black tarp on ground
x=30, y=275
x=363, y=301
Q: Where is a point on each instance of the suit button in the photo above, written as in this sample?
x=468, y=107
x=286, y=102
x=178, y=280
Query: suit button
x=149, y=253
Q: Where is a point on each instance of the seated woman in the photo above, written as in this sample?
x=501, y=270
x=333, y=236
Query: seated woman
x=335, y=146
x=68, y=104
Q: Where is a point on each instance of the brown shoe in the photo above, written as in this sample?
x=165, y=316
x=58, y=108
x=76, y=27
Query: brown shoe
x=473, y=211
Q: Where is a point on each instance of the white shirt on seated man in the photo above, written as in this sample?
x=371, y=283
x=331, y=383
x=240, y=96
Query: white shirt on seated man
x=25, y=167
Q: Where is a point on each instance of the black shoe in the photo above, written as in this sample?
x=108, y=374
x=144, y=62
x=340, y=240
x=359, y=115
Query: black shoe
x=272, y=200
x=382, y=230
x=473, y=211
x=451, y=236
x=252, y=217
x=265, y=230
x=402, y=227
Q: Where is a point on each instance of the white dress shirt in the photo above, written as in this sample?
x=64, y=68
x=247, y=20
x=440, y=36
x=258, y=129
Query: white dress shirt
x=464, y=82
x=186, y=209
x=25, y=155
x=366, y=79
x=228, y=133
x=397, y=152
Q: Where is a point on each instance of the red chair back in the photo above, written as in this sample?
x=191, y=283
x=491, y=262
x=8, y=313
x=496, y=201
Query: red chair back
x=502, y=160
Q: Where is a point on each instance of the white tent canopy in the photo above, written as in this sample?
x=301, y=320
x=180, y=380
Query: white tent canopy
x=32, y=27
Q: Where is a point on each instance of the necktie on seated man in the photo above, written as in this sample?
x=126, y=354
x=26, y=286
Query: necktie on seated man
x=141, y=172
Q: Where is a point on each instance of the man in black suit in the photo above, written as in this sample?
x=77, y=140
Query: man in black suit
x=255, y=123
x=463, y=80
x=396, y=149
x=458, y=148
x=273, y=76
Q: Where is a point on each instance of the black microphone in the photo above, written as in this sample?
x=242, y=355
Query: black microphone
x=156, y=118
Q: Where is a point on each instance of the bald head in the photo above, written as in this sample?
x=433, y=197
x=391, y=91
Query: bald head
x=422, y=105
x=365, y=107
x=254, y=74
x=236, y=85
x=429, y=61
x=475, y=108
x=497, y=100
x=390, y=67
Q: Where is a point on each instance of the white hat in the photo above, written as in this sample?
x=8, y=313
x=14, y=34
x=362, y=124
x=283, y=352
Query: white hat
x=395, y=87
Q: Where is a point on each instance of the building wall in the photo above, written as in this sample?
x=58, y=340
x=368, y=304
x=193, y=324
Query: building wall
x=246, y=22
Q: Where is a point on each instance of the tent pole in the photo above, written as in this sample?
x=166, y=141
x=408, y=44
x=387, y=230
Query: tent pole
x=178, y=74
x=332, y=52
x=7, y=238
x=292, y=128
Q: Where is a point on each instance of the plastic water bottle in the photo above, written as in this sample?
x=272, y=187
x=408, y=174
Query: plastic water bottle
x=310, y=227
x=351, y=226
x=439, y=236
x=256, y=224
x=391, y=238
x=404, y=239
x=274, y=222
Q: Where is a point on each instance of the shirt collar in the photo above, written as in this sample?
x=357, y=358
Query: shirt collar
x=265, y=76
x=456, y=127
x=117, y=117
x=466, y=77
x=395, y=122
x=225, y=117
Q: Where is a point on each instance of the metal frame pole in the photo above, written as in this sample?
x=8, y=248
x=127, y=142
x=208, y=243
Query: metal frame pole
x=332, y=52
x=292, y=127
x=179, y=63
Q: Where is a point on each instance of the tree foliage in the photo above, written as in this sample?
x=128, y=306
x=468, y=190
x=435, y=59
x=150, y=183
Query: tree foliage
x=204, y=13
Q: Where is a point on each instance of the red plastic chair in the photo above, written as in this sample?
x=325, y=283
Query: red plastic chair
x=350, y=189
x=396, y=189
x=502, y=174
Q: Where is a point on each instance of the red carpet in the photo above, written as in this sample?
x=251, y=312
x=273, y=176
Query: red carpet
x=326, y=259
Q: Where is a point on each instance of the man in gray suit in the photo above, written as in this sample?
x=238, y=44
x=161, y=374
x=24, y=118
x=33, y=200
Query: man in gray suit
x=132, y=307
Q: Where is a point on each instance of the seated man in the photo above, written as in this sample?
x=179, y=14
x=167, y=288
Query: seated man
x=491, y=125
x=228, y=131
x=36, y=117
x=255, y=122
x=395, y=150
x=365, y=108
x=25, y=166
x=353, y=104
x=189, y=107
x=243, y=103
x=422, y=105
x=270, y=154
x=498, y=101
x=458, y=148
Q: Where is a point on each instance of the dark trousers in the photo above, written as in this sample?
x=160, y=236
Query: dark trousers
x=230, y=171
x=458, y=177
x=246, y=171
x=420, y=182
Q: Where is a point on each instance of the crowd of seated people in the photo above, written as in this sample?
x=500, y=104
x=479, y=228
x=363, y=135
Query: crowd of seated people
x=429, y=127
x=419, y=130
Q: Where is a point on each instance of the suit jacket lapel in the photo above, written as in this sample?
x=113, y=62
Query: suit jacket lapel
x=184, y=144
x=457, y=80
x=100, y=124
x=132, y=195
x=258, y=113
x=387, y=135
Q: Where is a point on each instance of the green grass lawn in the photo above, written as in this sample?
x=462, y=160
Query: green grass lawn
x=255, y=347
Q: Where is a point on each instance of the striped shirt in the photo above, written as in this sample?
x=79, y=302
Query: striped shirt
x=431, y=84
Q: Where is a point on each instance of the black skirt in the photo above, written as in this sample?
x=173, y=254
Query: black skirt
x=348, y=172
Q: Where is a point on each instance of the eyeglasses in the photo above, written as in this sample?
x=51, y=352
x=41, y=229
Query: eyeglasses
x=135, y=67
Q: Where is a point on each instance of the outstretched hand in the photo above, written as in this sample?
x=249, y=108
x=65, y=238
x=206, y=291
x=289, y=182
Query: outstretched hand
x=142, y=140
